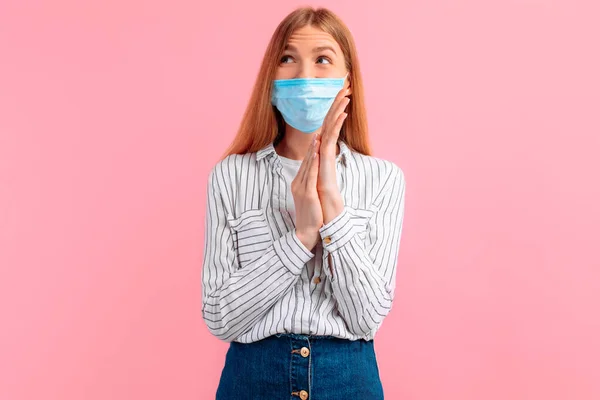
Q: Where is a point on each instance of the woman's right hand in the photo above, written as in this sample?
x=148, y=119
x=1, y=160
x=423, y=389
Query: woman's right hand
x=309, y=214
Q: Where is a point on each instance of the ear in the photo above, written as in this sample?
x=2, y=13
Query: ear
x=347, y=84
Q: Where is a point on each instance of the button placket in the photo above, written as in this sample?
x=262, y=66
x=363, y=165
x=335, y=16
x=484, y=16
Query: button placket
x=300, y=367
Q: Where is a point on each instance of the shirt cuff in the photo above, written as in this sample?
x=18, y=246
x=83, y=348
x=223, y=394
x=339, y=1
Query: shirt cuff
x=337, y=232
x=292, y=252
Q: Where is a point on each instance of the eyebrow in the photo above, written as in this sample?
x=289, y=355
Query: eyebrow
x=319, y=49
x=315, y=50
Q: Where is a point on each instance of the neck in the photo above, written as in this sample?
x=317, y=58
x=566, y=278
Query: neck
x=295, y=143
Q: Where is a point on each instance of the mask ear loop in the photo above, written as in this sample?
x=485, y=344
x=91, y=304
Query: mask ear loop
x=342, y=130
x=346, y=78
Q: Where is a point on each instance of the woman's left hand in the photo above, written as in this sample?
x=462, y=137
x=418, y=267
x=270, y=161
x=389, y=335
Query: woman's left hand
x=330, y=131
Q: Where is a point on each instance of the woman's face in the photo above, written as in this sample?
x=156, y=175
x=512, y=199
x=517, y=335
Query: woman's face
x=311, y=53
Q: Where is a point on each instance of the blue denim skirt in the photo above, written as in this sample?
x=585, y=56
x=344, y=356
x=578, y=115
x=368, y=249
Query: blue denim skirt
x=300, y=367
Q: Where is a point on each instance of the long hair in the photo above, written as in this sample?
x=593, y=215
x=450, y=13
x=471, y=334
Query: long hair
x=262, y=123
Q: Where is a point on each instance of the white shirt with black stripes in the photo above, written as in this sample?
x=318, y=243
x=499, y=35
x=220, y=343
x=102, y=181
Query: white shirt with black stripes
x=258, y=279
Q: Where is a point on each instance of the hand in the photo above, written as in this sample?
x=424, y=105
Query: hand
x=309, y=214
x=330, y=132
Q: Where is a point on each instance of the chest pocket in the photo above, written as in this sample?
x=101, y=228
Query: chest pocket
x=252, y=235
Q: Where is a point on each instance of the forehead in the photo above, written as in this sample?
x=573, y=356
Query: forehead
x=311, y=36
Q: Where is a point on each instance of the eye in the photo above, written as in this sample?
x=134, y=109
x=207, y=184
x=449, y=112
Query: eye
x=324, y=59
x=285, y=58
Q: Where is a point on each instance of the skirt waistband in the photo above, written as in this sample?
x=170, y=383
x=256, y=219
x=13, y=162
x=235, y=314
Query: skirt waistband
x=304, y=337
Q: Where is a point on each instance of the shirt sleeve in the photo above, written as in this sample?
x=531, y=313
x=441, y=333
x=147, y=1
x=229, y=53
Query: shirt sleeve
x=363, y=271
x=234, y=299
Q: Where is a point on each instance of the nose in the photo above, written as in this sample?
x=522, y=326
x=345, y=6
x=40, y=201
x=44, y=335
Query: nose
x=305, y=70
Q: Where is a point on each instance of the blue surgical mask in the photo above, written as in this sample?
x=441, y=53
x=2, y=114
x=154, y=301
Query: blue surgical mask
x=304, y=102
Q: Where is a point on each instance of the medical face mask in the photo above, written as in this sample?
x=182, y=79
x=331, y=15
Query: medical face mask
x=304, y=102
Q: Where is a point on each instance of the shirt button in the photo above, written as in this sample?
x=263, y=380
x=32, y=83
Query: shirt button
x=303, y=394
x=327, y=239
x=304, y=352
x=317, y=280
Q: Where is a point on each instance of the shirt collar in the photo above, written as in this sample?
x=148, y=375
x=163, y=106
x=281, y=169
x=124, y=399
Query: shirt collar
x=269, y=149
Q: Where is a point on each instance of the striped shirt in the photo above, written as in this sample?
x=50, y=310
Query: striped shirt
x=258, y=279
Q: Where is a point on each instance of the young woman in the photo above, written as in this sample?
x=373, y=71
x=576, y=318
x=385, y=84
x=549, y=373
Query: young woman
x=303, y=226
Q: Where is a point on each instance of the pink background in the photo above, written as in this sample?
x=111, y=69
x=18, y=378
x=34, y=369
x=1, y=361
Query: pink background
x=112, y=113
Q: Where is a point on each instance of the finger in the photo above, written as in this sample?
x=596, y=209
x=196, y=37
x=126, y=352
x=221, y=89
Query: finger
x=305, y=161
x=333, y=132
x=341, y=94
x=309, y=159
x=338, y=124
x=334, y=106
x=313, y=171
x=339, y=97
x=338, y=106
x=341, y=107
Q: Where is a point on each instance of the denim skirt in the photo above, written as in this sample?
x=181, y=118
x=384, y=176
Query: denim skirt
x=300, y=367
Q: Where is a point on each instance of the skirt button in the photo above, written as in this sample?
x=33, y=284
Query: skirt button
x=304, y=352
